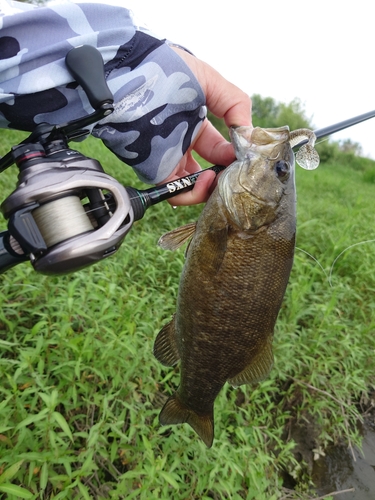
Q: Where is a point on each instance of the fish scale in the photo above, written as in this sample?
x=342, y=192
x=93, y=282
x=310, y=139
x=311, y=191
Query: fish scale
x=234, y=278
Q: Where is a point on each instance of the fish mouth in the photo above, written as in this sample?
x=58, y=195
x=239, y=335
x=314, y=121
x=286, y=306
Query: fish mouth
x=246, y=138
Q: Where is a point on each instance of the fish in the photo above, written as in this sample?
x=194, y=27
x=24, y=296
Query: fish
x=237, y=267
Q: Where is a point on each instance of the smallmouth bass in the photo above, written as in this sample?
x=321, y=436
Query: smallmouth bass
x=234, y=278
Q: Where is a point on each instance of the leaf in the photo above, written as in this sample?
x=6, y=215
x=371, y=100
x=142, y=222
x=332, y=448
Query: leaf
x=5, y=343
x=15, y=490
x=4, y=429
x=61, y=495
x=60, y=420
x=168, y=477
x=46, y=398
x=10, y=472
x=67, y=466
x=33, y=418
x=89, y=464
x=39, y=326
x=114, y=450
x=54, y=398
x=33, y=455
x=4, y=404
x=44, y=476
x=94, y=434
x=84, y=491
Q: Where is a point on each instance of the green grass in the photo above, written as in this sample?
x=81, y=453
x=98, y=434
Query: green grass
x=81, y=390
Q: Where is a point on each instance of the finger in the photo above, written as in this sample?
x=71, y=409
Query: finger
x=225, y=100
x=200, y=192
x=202, y=187
x=212, y=146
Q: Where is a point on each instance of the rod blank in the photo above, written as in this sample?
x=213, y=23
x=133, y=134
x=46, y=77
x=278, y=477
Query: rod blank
x=337, y=127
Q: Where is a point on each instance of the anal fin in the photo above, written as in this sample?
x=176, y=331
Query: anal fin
x=258, y=369
x=165, y=346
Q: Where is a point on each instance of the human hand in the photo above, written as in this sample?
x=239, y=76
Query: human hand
x=224, y=100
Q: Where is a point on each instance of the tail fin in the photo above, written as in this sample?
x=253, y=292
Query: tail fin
x=175, y=412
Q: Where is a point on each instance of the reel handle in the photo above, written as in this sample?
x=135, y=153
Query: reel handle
x=85, y=64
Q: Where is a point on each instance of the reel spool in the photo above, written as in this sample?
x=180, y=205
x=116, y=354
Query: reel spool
x=62, y=219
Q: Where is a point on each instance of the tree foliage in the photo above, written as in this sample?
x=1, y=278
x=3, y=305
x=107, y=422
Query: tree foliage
x=269, y=113
x=349, y=146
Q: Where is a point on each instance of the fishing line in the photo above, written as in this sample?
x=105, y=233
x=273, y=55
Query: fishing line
x=55, y=229
x=316, y=260
x=340, y=254
x=323, y=140
x=330, y=274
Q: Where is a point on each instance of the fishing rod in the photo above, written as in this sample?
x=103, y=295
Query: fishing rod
x=66, y=213
x=337, y=127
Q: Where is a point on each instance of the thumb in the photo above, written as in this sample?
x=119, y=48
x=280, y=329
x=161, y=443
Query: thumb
x=225, y=100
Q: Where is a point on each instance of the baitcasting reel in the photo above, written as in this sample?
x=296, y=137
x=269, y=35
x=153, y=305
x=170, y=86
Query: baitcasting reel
x=65, y=213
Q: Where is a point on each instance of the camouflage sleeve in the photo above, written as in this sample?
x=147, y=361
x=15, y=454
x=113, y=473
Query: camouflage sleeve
x=159, y=104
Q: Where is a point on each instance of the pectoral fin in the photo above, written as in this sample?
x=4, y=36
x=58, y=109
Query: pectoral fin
x=165, y=346
x=258, y=369
x=218, y=240
x=176, y=238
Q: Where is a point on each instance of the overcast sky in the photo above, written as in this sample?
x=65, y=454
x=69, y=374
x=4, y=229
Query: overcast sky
x=320, y=51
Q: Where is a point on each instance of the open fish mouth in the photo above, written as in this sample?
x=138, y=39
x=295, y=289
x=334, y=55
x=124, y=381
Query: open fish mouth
x=249, y=142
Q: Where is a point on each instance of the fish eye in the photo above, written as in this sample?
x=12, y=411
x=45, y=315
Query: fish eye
x=282, y=169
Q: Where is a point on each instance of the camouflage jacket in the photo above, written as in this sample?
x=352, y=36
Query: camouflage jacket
x=159, y=104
